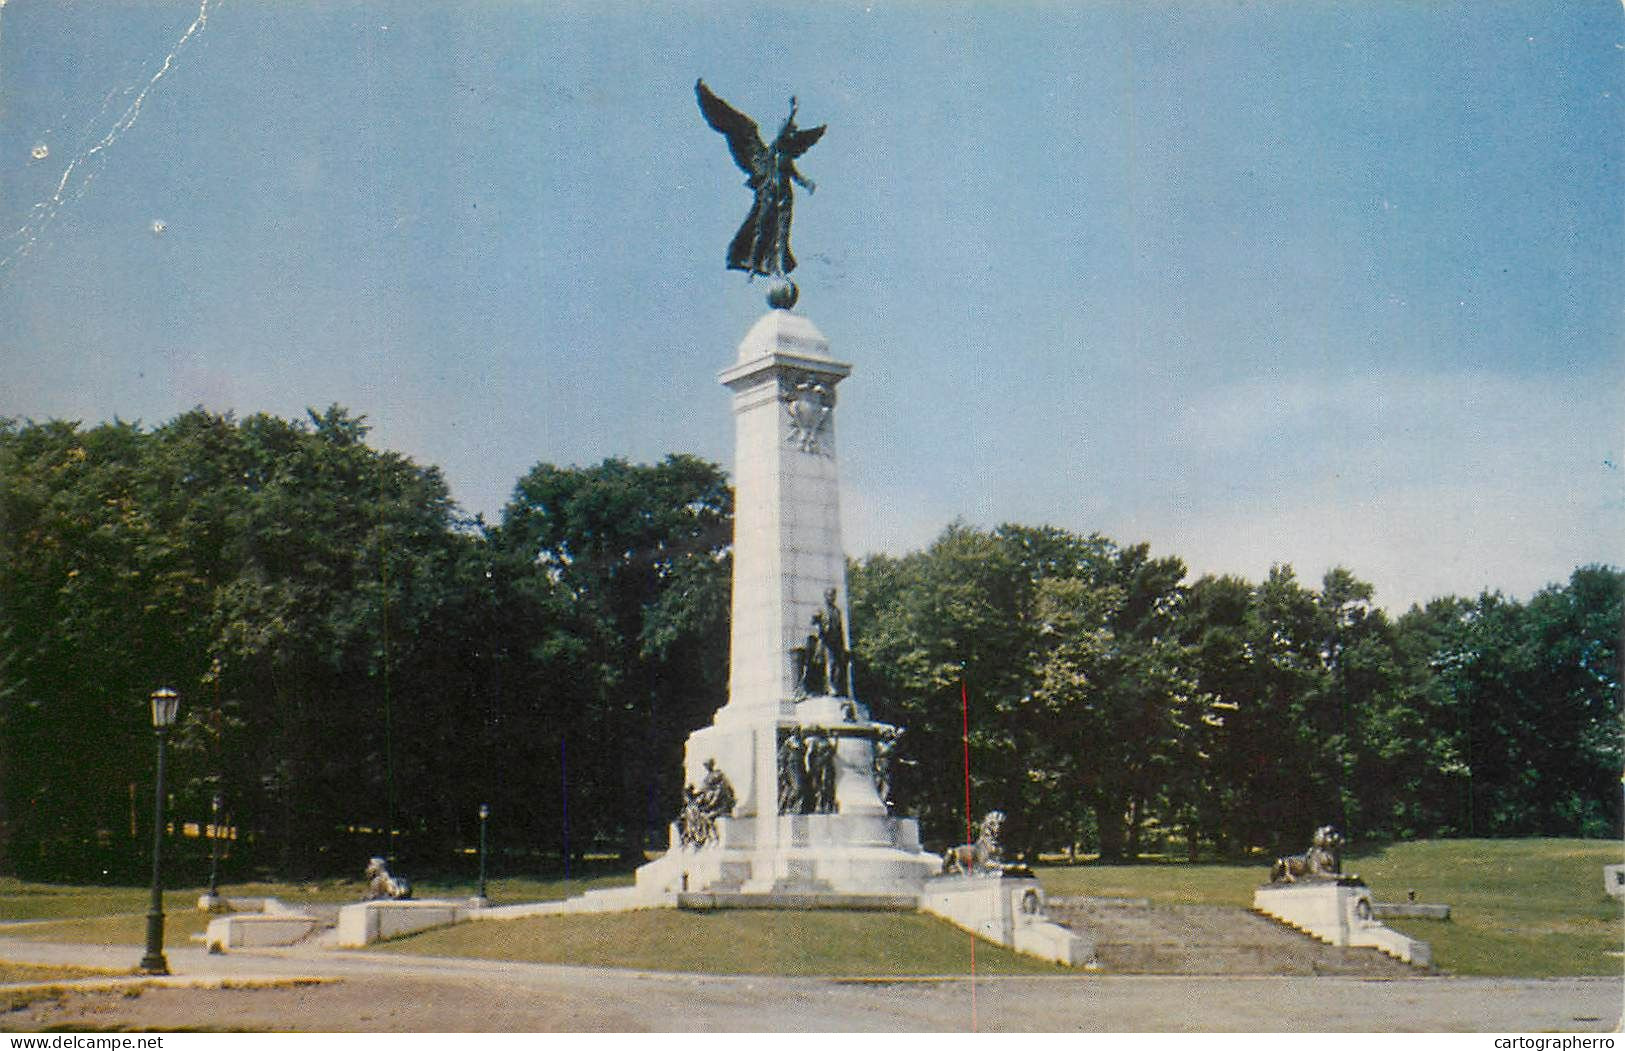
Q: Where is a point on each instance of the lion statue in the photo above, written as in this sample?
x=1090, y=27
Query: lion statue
x=1323, y=859
x=981, y=857
x=381, y=885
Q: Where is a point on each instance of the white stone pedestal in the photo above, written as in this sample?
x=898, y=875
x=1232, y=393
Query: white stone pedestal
x=366, y=922
x=258, y=930
x=1008, y=912
x=1338, y=912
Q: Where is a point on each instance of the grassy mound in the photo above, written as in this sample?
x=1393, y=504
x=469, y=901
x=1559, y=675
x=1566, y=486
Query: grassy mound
x=852, y=944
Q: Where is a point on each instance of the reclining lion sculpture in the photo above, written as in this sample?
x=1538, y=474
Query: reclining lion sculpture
x=1323, y=860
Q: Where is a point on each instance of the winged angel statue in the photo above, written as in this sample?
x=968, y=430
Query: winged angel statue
x=762, y=245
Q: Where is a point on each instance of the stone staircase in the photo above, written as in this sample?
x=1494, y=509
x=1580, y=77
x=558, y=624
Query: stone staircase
x=1137, y=937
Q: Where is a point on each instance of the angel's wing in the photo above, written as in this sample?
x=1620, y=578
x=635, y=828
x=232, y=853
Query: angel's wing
x=799, y=142
x=744, y=141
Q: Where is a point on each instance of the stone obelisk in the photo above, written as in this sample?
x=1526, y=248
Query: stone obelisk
x=791, y=704
x=787, y=530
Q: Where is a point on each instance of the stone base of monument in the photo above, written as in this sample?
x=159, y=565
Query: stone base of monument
x=858, y=849
x=809, y=855
x=1008, y=912
x=1338, y=912
x=801, y=901
x=608, y=899
x=366, y=922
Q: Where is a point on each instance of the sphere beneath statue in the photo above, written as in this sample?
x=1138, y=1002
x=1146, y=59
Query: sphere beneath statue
x=783, y=296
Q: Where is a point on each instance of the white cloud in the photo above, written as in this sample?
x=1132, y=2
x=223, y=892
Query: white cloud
x=1423, y=485
x=1412, y=545
x=895, y=522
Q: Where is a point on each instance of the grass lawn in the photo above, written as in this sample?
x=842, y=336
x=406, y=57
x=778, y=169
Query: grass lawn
x=1173, y=883
x=731, y=941
x=118, y=915
x=1518, y=907
x=1528, y=907
x=127, y=929
x=51, y=901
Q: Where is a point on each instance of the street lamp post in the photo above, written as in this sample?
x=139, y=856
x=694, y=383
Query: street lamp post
x=485, y=812
x=165, y=701
x=214, y=849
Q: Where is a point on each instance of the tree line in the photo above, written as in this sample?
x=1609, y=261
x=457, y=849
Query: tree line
x=361, y=666
x=1111, y=702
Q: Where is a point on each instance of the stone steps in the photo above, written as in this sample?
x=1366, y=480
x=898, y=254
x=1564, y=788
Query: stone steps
x=1135, y=938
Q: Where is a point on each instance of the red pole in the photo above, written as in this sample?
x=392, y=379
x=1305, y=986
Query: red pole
x=964, y=704
x=964, y=708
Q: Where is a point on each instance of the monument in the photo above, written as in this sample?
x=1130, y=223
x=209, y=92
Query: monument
x=793, y=741
x=805, y=767
x=786, y=802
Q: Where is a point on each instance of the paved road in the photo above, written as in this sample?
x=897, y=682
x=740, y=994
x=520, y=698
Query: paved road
x=382, y=992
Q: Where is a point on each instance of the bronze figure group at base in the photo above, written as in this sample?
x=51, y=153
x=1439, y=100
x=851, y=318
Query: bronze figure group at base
x=806, y=772
x=697, y=824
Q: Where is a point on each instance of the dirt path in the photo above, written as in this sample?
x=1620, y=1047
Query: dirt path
x=375, y=1003
x=381, y=993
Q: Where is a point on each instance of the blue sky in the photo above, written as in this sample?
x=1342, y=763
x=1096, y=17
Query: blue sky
x=1256, y=282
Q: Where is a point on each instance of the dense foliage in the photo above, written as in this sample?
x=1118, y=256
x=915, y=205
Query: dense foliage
x=361, y=667
x=353, y=657
x=1110, y=700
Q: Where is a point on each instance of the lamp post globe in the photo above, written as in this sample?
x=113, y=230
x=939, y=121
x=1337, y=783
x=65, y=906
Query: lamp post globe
x=165, y=702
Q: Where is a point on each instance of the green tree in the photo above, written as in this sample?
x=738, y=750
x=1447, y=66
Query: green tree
x=1124, y=714
x=1078, y=711
x=953, y=623
x=1417, y=782
x=1213, y=627
x=1574, y=633
x=266, y=570
x=82, y=647
x=640, y=555
x=1535, y=697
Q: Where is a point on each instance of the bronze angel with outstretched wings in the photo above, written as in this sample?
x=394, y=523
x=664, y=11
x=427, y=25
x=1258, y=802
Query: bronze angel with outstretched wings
x=762, y=245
